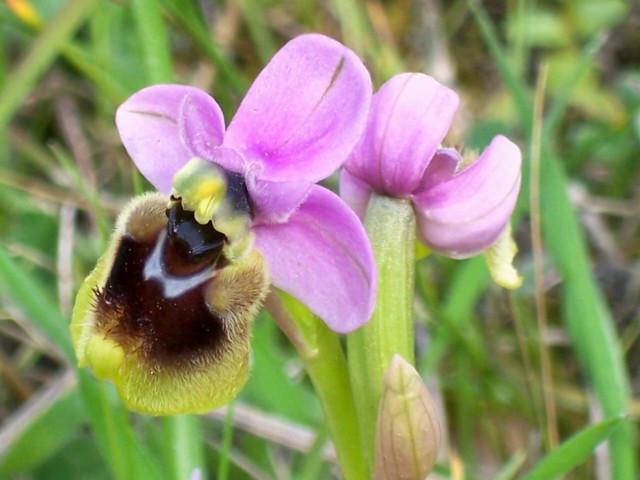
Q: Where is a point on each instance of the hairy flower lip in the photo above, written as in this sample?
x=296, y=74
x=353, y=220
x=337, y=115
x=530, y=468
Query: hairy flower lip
x=297, y=124
x=173, y=337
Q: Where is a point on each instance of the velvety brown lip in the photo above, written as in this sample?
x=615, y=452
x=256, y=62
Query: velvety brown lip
x=141, y=313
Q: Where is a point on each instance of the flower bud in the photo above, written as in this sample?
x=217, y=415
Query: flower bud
x=408, y=433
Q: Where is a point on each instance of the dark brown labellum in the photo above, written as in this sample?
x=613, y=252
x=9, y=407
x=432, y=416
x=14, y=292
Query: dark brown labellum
x=154, y=299
x=166, y=314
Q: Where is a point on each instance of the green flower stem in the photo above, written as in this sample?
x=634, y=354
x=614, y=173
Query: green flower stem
x=391, y=226
x=183, y=445
x=324, y=360
x=227, y=439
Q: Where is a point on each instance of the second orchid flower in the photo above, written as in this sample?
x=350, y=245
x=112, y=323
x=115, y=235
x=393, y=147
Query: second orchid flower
x=461, y=210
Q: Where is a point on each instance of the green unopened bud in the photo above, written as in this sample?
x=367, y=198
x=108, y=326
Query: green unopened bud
x=408, y=434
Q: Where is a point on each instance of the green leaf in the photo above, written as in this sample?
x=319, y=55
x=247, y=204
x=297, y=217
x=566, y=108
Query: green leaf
x=573, y=451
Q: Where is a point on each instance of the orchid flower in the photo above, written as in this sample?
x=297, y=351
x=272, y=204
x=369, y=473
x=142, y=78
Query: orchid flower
x=166, y=313
x=296, y=125
x=461, y=210
x=404, y=184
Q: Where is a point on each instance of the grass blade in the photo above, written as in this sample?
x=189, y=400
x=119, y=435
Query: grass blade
x=44, y=49
x=573, y=451
x=586, y=315
x=35, y=301
x=153, y=40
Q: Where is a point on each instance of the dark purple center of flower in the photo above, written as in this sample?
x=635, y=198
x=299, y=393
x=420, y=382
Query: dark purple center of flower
x=237, y=193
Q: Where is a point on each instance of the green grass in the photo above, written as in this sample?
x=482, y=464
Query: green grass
x=64, y=176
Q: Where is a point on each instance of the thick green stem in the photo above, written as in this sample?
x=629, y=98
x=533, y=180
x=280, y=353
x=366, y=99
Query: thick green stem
x=326, y=366
x=391, y=226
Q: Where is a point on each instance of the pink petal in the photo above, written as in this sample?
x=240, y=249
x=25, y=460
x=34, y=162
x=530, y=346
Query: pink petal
x=464, y=214
x=443, y=166
x=322, y=257
x=164, y=126
x=410, y=116
x=304, y=112
x=355, y=193
x=274, y=202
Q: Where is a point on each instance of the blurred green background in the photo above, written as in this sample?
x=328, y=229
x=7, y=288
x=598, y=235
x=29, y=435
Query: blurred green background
x=515, y=373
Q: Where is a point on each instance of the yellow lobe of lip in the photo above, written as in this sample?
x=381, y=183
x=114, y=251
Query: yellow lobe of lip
x=105, y=356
